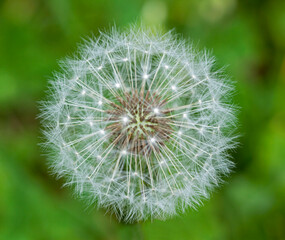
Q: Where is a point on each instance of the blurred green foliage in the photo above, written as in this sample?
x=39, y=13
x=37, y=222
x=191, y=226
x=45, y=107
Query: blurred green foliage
x=247, y=36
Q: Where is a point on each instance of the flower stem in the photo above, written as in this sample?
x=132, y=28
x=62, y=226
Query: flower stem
x=131, y=231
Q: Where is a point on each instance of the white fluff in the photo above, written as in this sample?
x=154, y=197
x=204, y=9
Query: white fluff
x=139, y=187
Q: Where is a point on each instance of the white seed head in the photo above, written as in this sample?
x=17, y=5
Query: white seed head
x=160, y=141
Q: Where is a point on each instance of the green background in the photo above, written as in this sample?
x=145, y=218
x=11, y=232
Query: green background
x=246, y=36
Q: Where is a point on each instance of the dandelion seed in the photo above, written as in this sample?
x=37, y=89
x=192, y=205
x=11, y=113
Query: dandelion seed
x=156, y=110
x=125, y=119
x=161, y=162
x=154, y=149
x=145, y=76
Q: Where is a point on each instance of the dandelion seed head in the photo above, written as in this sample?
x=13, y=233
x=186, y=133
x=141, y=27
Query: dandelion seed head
x=159, y=143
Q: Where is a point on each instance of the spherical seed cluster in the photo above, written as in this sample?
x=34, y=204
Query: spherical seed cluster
x=138, y=124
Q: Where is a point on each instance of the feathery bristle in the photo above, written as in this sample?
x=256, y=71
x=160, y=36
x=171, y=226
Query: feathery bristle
x=139, y=124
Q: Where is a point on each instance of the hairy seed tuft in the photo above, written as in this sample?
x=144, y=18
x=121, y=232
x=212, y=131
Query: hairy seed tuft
x=139, y=123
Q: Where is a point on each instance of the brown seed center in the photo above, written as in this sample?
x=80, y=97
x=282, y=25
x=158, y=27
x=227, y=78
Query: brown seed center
x=139, y=124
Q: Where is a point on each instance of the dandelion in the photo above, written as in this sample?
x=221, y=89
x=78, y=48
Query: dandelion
x=139, y=124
